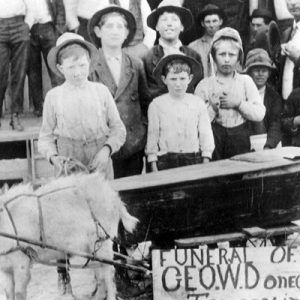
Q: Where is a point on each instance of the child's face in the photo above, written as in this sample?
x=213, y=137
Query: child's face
x=113, y=32
x=177, y=83
x=294, y=8
x=211, y=24
x=169, y=26
x=260, y=75
x=226, y=57
x=75, y=70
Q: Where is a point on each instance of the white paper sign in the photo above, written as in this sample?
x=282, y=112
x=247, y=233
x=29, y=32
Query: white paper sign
x=264, y=273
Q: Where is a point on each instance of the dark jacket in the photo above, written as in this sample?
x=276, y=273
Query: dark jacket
x=271, y=122
x=58, y=14
x=151, y=60
x=291, y=110
x=132, y=100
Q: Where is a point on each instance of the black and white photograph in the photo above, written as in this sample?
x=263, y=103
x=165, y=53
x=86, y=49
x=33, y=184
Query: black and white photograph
x=149, y=150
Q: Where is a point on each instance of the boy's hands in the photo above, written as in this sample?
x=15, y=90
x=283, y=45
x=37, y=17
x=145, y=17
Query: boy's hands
x=297, y=121
x=226, y=102
x=205, y=160
x=100, y=161
x=58, y=161
x=154, y=166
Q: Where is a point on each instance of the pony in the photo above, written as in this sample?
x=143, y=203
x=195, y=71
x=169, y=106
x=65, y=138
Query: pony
x=63, y=213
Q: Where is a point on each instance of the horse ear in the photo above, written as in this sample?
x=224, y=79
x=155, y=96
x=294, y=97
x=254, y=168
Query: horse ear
x=5, y=188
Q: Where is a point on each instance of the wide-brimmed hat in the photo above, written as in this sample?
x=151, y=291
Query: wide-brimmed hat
x=69, y=38
x=95, y=19
x=258, y=57
x=185, y=14
x=262, y=13
x=211, y=9
x=228, y=32
x=196, y=68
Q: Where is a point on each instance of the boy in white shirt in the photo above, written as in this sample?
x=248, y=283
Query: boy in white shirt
x=179, y=130
x=80, y=117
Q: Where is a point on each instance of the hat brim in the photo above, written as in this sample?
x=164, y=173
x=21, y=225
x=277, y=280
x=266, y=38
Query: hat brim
x=259, y=64
x=185, y=15
x=95, y=19
x=214, y=11
x=52, y=55
x=196, y=68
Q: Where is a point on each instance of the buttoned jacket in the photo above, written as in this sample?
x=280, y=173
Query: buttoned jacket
x=131, y=97
x=151, y=59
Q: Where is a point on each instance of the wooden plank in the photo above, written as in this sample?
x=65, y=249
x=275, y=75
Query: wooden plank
x=13, y=169
x=243, y=164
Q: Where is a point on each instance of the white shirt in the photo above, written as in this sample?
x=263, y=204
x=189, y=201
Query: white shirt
x=288, y=71
x=178, y=125
x=87, y=8
x=13, y=8
x=114, y=63
x=170, y=49
x=82, y=113
x=41, y=12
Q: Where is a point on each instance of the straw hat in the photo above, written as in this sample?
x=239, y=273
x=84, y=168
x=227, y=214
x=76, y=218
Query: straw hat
x=211, y=9
x=258, y=57
x=95, y=19
x=196, y=68
x=69, y=38
x=185, y=15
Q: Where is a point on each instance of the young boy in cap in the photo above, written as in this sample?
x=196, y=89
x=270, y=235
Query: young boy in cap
x=259, y=66
x=111, y=29
x=80, y=118
x=211, y=19
x=169, y=20
x=232, y=99
x=179, y=130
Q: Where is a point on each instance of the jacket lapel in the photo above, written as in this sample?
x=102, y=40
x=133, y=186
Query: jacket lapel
x=104, y=75
x=126, y=75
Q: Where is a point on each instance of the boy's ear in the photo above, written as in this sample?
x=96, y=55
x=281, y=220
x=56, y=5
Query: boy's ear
x=202, y=24
x=60, y=68
x=163, y=79
x=191, y=78
x=221, y=22
x=97, y=31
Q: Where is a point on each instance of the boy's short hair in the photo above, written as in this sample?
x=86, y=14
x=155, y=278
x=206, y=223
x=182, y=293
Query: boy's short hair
x=73, y=50
x=177, y=66
x=113, y=13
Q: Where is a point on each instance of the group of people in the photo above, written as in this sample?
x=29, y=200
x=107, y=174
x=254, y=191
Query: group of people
x=118, y=96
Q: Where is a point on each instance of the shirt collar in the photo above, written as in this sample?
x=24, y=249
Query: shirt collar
x=173, y=49
x=108, y=56
x=262, y=90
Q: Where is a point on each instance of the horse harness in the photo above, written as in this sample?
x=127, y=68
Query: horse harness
x=32, y=253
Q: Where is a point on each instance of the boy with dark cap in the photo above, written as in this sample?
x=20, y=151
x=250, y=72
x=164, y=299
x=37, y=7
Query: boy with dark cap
x=211, y=19
x=169, y=20
x=111, y=29
x=259, y=66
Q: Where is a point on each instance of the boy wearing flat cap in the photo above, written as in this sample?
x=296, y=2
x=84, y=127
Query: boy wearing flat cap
x=179, y=130
x=111, y=29
x=259, y=66
x=211, y=19
x=169, y=20
x=232, y=98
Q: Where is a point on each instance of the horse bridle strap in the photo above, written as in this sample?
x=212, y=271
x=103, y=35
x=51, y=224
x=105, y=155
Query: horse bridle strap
x=12, y=222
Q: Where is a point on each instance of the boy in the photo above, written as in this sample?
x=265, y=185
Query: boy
x=259, y=66
x=211, y=19
x=113, y=28
x=232, y=99
x=179, y=130
x=169, y=20
x=80, y=114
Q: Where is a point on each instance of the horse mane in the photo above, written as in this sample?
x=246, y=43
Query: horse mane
x=17, y=190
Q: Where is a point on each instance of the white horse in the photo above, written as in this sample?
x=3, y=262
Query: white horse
x=64, y=220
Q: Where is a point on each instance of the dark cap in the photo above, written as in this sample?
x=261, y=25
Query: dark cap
x=262, y=13
x=211, y=9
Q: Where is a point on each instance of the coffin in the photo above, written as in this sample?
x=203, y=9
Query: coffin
x=254, y=189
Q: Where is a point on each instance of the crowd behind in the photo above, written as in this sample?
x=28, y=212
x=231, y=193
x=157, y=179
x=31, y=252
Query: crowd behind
x=171, y=81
